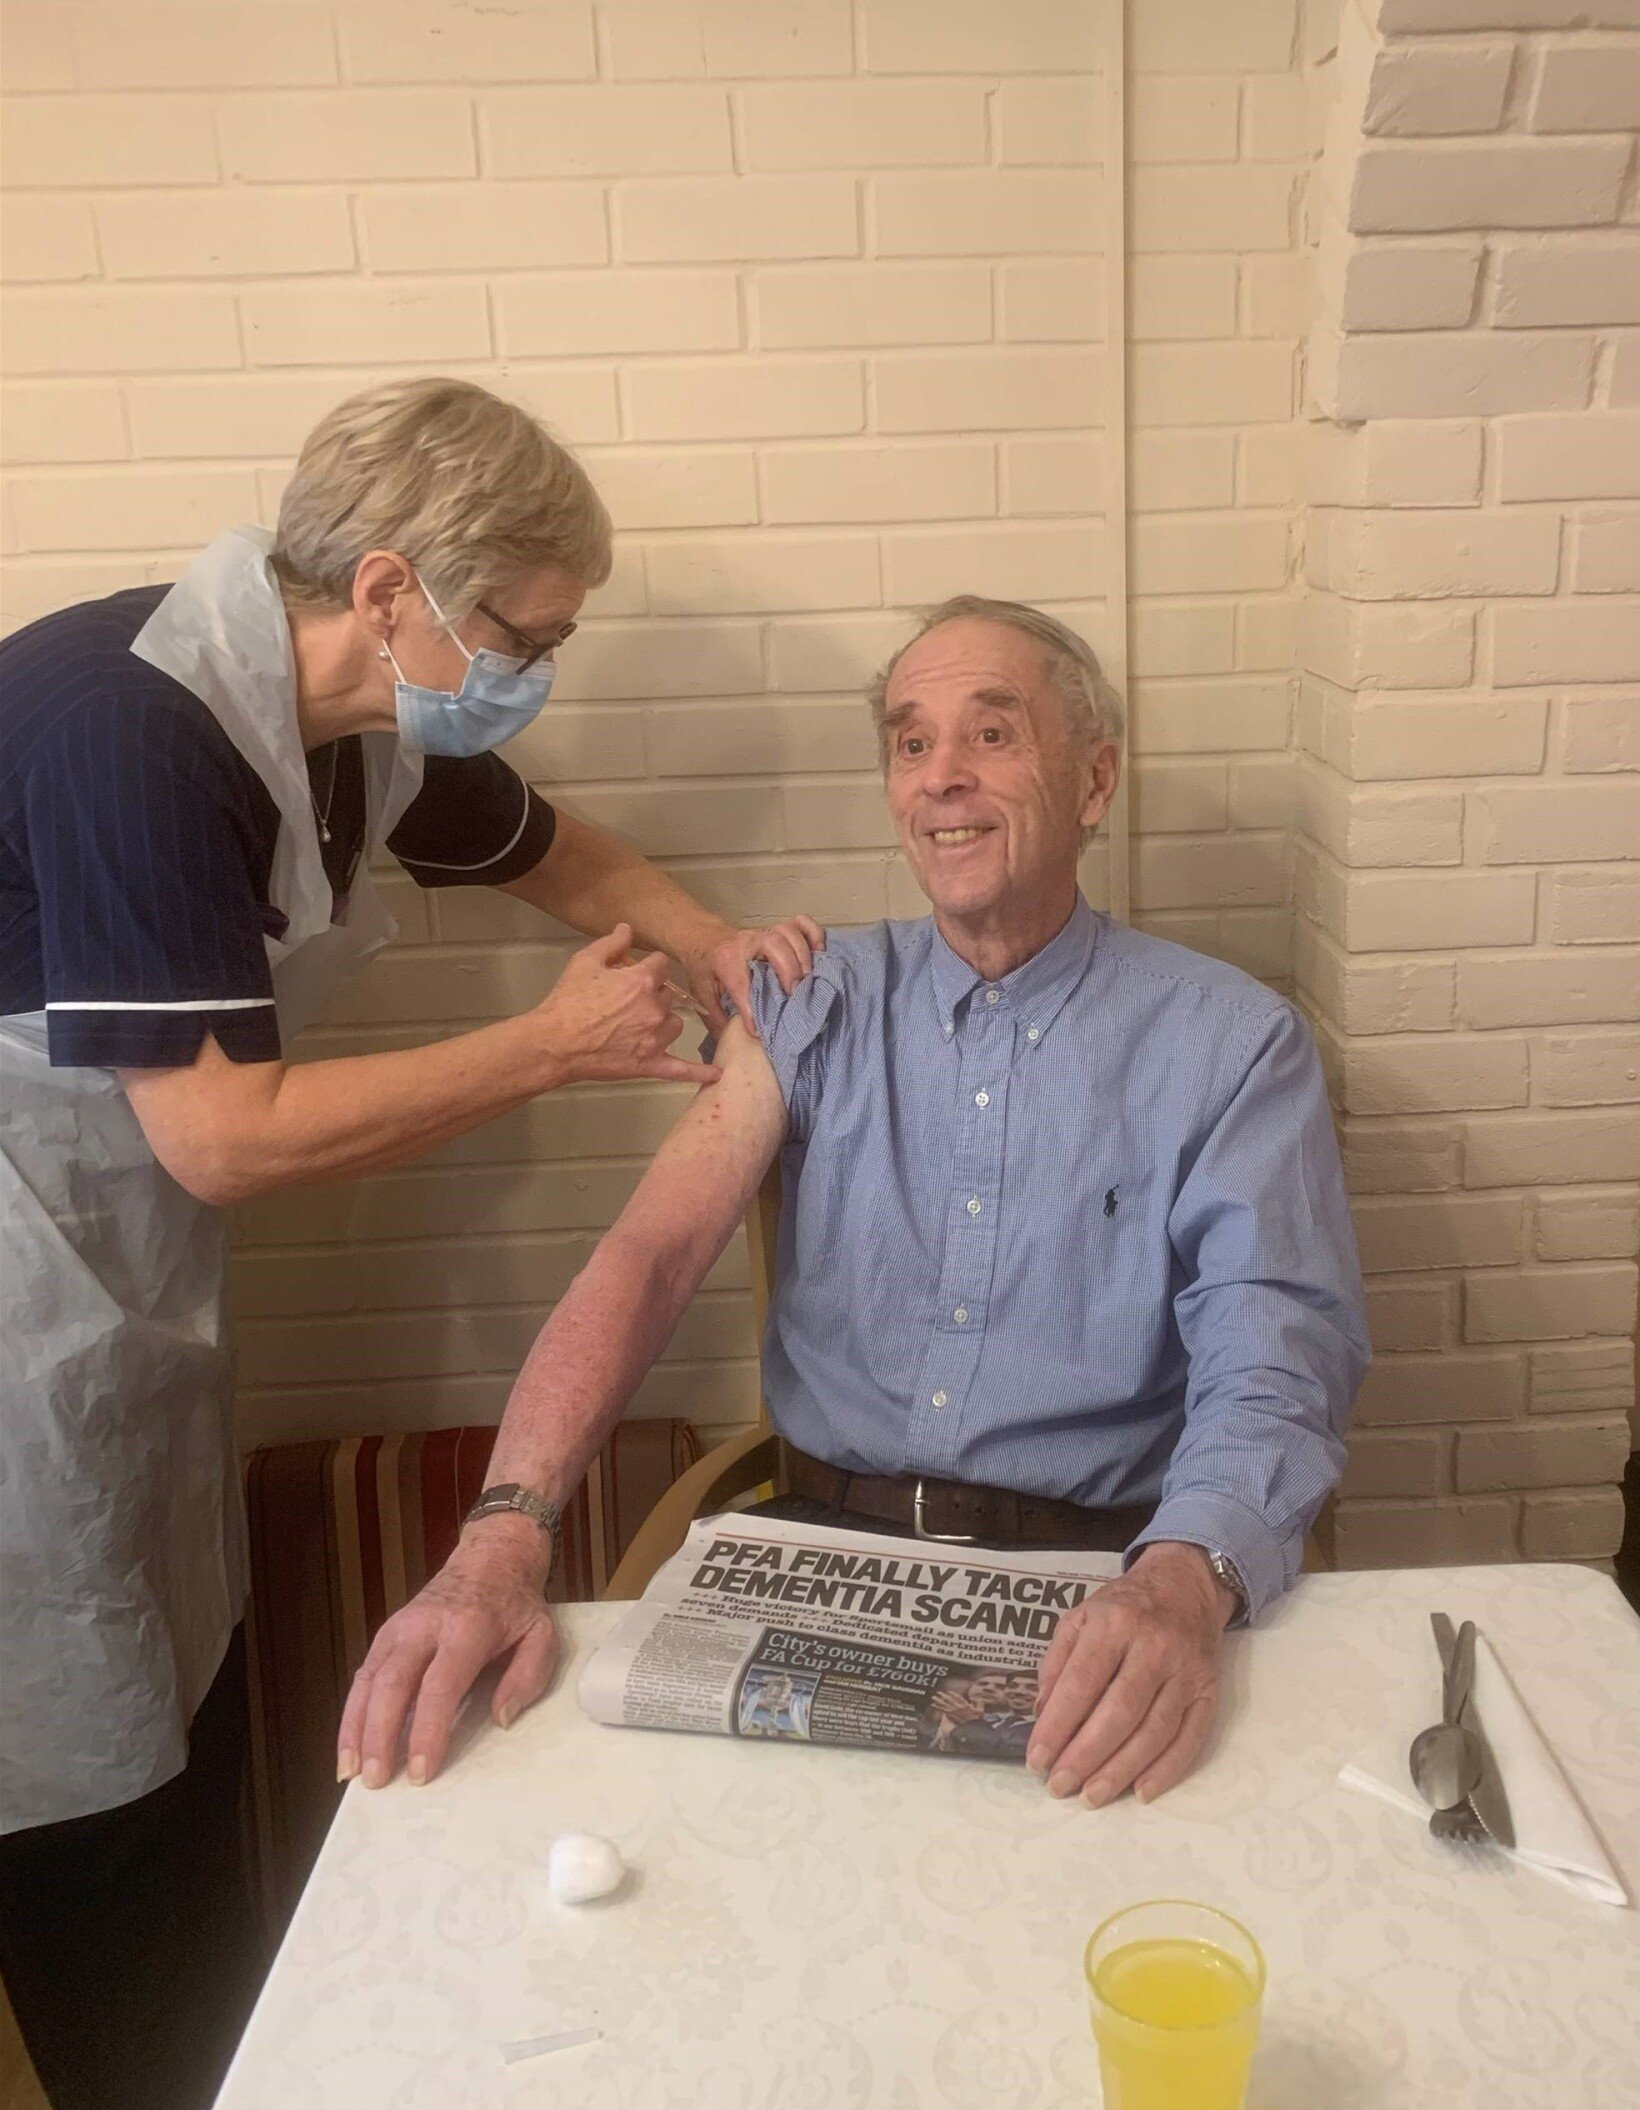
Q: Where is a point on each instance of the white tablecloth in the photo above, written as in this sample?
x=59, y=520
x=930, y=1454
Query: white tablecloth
x=823, y=1930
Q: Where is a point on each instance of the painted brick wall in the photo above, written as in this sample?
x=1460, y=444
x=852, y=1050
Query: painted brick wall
x=1468, y=931
x=821, y=290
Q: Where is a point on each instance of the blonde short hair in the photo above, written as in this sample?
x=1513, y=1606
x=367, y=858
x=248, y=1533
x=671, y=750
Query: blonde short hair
x=471, y=489
x=1092, y=709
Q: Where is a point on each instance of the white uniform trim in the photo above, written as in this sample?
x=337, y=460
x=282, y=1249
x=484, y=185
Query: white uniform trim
x=187, y=1003
x=429, y=864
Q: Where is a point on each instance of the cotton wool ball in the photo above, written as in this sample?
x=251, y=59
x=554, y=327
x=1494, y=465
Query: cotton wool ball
x=581, y=1866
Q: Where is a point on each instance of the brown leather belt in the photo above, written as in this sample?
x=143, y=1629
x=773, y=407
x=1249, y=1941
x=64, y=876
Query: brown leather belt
x=960, y=1514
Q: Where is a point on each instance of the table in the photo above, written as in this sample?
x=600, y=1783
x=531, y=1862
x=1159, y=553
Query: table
x=827, y=1930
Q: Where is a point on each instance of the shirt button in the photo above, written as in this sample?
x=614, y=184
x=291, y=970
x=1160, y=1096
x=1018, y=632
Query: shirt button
x=1033, y=1033
x=961, y=1315
x=947, y=1029
x=991, y=996
x=938, y=1399
x=982, y=1098
x=973, y=1208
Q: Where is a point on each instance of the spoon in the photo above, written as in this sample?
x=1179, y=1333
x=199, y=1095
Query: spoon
x=1446, y=1759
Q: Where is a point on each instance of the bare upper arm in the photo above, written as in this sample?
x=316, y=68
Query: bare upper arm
x=191, y=1116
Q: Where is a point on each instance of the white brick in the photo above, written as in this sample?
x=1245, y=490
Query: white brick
x=39, y=47
x=239, y=414
x=1602, y=735
x=1374, y=996
x=522, y=227
x=1366, y=827
x=1042, y=123
x=224, y=233
x=1592, y=455
x=1551, y=1149
x=832, y=888
x=1407, y=555
x=1396, y=462
x=1238, y=36
x=31, y=588
x=1181, y=296
x=130, y=508
x=1259, y=941
x=63, y=421
x=1441, y=1074
x=859, y=125
x=724, y=39
x=1548, y=989
x=615, y=311
x=624, y=660
x=745, y=399
x=1273, y=118
x=1186, y=637
x=1392, y=912
x=1423, y=90
x=1412, y=286
x=1623, y=384
x=363, y=320
x=1263, y=792
x=1015, y=389
x=107, y=141
x=1223, y=554
x=1549, y=1304
x=973, y=36
x=1190, y=798
x=604, y=131
x=568, y=747
x=1176, y=872
x=347, y=135
x=1556, y=823
x=1585, y=640
x=653, y=489
x=1461, y=375
x=1202, y=717
x=1182, y=119
x=1586, y=1377
x=1550, y=1455
x=1361, y=646
x=48, y=237
x=815, y=306
x=1443, y=1534
x=1401, y=1157
x=1437, y=736
x=764, y=738
x=1587, y=1226
x=195, y=44
x=906, y=481
x=1248, y=207
x=128, y=329
x=1388, y=1466
x=1592, y=279
x=1593, y=908
x=1059, y=300
x=1518, y=183
x=1270, y=465
x=1452, y=1387
x=1210, y=384
x=1278, y=295
x=689, y=820
x=1005, y=561
x=1587, y=87
x=750, y=573
x=1192, y=469
x=1403, y=1316
x=837, y=653
x=851, y=815
x=733, y=218
x=1572, y=1527
x=1508, y=14
x=1591, y=1069
x=426, y=40
x=1053, y=476
x=1017, y=212
x=1267, y=632
x=1605, y=551
x=578, y=402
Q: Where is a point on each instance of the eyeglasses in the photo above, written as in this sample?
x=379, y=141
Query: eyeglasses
x=530, y=649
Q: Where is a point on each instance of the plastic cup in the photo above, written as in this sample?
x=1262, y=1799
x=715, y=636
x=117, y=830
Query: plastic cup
x=1175, y=1991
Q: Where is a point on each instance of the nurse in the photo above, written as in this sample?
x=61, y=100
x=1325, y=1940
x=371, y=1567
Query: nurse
x=195, y=785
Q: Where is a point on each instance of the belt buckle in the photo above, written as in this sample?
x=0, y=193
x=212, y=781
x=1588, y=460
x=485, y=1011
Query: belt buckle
x=938, y=1538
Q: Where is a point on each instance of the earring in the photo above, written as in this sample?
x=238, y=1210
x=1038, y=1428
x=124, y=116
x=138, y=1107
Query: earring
x=384, y=653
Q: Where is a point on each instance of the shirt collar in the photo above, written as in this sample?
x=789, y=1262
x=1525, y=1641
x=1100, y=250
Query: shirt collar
x=1036, y=990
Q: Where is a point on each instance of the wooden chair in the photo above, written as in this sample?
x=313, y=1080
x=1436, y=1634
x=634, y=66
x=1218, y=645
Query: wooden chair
x=751, y=1459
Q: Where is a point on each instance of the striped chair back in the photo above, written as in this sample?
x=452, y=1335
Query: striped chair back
x=342, y=1533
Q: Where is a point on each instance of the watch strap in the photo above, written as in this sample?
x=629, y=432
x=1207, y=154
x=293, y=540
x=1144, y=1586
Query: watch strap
x=509, y=1495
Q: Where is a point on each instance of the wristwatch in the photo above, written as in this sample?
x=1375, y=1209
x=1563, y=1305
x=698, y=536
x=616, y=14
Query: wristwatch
x=1226, y=1572
x=494, y=1501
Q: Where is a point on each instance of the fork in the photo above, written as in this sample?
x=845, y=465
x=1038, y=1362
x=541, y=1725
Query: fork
x=1459, y=1825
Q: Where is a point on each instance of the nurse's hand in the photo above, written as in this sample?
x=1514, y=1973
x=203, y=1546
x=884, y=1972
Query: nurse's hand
x=607, y=1021
x=788, y=946
x=485, y=1602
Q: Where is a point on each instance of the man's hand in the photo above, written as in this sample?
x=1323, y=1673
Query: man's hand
x=606, y=1020
x=486, y=1601
x=789, y=947
x=1127, y=1690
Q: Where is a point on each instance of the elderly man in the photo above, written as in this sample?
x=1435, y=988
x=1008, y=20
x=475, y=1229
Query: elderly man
x=1065, y=1253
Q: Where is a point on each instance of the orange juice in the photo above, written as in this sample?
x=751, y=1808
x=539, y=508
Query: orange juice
x=1176, y=2021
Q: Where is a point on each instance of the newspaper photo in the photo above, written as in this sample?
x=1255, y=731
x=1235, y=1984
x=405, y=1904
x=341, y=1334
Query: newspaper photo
x=793, y=1632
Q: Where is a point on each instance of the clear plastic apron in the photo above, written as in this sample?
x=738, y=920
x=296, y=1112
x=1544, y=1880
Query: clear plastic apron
x=122, y=1569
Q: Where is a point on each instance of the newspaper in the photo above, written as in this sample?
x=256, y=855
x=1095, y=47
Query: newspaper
x=761, y=1628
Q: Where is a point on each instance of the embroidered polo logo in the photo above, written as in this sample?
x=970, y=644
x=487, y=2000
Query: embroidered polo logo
x=1110, y=1201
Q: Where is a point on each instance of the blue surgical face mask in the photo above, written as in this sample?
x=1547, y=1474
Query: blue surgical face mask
x=494, y=702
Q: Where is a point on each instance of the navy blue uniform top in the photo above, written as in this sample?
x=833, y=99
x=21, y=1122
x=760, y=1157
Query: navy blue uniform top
x=136, y=845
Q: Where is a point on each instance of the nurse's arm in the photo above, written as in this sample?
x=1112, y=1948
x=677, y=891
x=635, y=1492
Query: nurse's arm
x=590, y=880
x=618, y=1314
x=229, y=1130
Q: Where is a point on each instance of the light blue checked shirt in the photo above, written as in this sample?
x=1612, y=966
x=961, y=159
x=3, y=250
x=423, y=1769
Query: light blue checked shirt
x=1081, y=1232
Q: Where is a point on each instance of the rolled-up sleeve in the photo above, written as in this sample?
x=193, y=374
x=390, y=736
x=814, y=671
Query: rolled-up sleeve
x=795, y=1031
x=1271, y=1313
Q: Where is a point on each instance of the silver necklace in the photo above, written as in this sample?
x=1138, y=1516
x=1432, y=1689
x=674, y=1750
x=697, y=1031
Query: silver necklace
x=323, y=818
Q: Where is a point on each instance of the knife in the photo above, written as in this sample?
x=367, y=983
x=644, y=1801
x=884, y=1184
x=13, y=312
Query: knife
x=1487, y=1798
